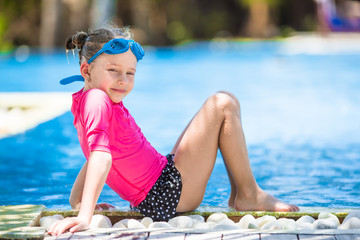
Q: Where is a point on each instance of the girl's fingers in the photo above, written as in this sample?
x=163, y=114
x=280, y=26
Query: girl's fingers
x=103, y=206
x=77, y=227
x=74, y=229
x=57, y=230
x=52, y=227
x=110, y=206
x=62, y=226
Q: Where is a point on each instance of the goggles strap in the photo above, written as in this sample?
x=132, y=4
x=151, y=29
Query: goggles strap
x=71, y=79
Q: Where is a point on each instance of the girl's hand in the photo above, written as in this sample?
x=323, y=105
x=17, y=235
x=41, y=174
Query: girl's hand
x=73, y=224
x=104, y=206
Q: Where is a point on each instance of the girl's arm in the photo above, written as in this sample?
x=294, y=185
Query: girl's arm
x=98, y=167
x=77, y=189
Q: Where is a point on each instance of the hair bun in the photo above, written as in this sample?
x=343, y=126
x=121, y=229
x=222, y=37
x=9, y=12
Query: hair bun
x=76, y=41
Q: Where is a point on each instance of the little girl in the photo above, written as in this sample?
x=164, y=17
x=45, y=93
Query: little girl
x=118, y=153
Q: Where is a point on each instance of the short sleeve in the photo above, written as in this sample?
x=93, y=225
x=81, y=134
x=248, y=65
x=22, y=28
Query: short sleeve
x=97, y=112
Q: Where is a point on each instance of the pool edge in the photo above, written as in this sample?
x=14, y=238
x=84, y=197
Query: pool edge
x=28, y=227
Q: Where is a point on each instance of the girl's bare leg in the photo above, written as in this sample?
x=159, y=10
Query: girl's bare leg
x=218, y=125
x=231, y=202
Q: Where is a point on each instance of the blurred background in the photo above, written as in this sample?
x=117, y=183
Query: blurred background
x=47, y=23
x=293, y=64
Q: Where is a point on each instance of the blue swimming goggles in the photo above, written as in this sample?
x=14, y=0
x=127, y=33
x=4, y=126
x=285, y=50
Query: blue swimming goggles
x=114, y=46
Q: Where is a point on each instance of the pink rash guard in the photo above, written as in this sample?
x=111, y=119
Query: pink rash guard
x=106, y=126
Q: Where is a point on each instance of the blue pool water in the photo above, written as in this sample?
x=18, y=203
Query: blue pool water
x=301, y=118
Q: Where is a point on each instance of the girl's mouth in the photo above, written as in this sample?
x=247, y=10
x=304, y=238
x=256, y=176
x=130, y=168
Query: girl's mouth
x=122, y=91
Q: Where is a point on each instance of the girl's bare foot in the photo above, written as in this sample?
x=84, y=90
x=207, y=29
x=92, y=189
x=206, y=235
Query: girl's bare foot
x=263, y=201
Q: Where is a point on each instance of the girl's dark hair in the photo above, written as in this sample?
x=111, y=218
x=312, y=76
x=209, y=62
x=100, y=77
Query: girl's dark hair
x=90, y=43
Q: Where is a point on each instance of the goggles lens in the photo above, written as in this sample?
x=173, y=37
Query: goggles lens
x=120, y=45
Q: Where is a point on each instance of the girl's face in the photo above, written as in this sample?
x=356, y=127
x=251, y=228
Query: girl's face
x=112, y=73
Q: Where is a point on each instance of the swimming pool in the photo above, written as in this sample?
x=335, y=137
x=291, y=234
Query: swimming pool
x=300, y=114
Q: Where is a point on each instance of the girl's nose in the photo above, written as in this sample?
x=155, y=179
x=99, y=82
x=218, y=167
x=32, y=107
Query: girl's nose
x=123, y=79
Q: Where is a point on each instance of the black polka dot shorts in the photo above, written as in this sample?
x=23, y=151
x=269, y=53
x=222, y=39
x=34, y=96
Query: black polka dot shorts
x=161, y=201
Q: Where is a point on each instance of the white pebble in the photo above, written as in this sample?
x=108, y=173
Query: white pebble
x=217, y=217
x=132, y=223
x=227, y=221
x=204, y=225
x=100, y=221
x=59, y=217
x=264, y=219
x=350, y=223
x=272, y=225
x=287, y=223
x=327, y=223
x=160, y=225
x=305, y=219
x=46, y=222
x=327, y=215
x=197, y=218
x=125, y=222
x=304, y=225
x=146, y=221
x=181, y=222
x=355, y=213
x=245, y=221
x=119, y=225
x=225, y=224
x=253, y=226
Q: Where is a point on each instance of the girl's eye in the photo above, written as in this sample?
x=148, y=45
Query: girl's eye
x=131, y=73
x=112, y=70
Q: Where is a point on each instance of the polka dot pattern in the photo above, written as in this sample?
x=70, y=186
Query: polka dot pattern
x=161, y=201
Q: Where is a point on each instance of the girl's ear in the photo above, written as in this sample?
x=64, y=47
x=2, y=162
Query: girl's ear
x=85, y=70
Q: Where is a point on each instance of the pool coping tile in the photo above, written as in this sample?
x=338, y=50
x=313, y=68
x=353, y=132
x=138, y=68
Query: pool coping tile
x=20, y=221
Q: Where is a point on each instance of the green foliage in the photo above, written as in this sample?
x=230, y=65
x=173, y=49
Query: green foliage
x=13, y=15
x=217, y=20
x=4, y=22
x=163, y=21
x=272, y=3
x=309, y=23
x=177, y=32
x=5, y=45
x=286, y=31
